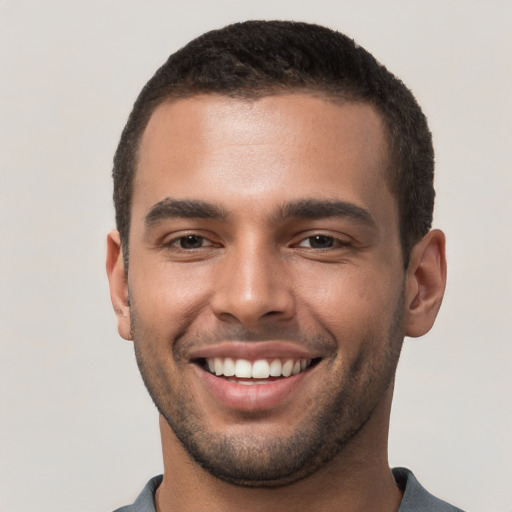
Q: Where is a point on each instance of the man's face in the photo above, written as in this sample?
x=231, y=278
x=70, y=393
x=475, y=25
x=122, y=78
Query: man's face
x=266, y=280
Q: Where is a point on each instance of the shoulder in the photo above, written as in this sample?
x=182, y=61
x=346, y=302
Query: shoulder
x=416, y=498
x=146, y=499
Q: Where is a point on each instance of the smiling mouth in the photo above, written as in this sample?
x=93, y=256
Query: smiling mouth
x=261, y=371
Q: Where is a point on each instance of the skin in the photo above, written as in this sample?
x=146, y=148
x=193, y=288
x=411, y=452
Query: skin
x=253, y=277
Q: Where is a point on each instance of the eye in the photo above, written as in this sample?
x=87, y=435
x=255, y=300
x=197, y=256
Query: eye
x=190, y=242
x=189, y=245
x=320, y=242
x=324, y=242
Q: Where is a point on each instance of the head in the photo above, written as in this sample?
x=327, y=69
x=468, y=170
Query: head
x=262, y=58
x=273, y=192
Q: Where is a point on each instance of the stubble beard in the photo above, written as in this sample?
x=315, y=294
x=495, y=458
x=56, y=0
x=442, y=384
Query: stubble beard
x=251, y=461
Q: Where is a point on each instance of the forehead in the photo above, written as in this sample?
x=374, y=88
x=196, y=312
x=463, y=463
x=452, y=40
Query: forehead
x=277, y=148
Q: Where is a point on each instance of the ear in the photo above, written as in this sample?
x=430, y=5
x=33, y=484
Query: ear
x=118, y=284
x=425, y=283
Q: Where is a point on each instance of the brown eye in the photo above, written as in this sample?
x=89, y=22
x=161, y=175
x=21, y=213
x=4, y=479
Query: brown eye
x=191, y=242
x=320, y=241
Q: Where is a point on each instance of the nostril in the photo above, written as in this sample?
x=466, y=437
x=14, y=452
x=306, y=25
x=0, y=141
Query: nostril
x=272, y=313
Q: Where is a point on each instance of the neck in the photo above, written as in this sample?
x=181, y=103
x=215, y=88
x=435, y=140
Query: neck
x=358, y=479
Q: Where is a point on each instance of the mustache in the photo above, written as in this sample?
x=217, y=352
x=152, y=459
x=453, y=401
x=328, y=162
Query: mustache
x=316, y=340
x=324, y=340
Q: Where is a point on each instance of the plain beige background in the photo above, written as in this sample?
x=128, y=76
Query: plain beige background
x=77, y=429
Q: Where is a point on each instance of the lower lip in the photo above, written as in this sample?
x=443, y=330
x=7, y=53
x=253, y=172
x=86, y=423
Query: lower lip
x=252, y=397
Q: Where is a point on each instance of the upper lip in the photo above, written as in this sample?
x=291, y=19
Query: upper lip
x=253, y=350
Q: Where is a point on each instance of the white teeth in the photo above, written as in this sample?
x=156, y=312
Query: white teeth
x=229, y=367
x=260, y=369
x=275, y=368
x=243, y=369
x=250, y=382
x=287, y=368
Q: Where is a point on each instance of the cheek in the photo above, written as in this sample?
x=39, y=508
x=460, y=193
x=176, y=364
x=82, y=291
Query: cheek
x=351, y=303
x=167, y=297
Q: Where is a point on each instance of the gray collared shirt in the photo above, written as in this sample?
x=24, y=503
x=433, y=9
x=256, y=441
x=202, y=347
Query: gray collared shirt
x=415, y=499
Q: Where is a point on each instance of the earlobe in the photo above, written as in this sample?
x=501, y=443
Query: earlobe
x=118, y=284
x=425, y=283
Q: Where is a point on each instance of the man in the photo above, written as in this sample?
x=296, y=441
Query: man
x=273, y=193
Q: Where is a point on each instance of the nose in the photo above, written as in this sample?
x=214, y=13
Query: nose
x=252, y=287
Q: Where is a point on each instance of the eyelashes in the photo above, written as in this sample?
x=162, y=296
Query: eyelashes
x=322, y=242
x=192, y=242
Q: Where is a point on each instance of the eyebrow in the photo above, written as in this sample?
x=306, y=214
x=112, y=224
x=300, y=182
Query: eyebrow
x=170, y=208
x=311, y=209
x=319, y=209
